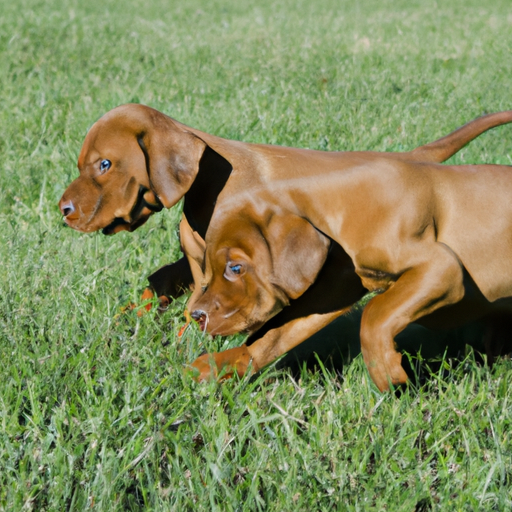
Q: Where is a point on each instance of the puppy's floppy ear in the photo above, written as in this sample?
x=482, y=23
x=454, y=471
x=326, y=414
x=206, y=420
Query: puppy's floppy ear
x=172, y=159
x=298, y=252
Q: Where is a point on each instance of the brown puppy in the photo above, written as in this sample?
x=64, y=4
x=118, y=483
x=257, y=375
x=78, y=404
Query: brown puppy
x=436, y=241
x=135, y=161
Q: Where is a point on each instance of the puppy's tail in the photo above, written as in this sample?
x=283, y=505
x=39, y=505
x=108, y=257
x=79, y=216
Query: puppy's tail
x=442, y=149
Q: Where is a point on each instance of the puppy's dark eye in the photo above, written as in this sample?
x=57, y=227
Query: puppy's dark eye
x=236, y=269
x=105, y=165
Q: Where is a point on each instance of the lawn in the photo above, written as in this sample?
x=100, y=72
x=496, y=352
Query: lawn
x=96, y=411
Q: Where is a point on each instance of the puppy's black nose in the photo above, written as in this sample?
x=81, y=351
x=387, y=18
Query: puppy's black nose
x=198, y=315
x=67, y=208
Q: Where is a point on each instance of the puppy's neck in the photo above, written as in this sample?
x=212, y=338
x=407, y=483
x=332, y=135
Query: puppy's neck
x=214, y=171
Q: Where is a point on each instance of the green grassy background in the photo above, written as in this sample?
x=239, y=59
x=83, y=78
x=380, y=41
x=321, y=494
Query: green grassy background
x=95, y=412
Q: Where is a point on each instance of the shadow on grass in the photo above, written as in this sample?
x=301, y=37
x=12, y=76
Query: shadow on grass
x=338, y=344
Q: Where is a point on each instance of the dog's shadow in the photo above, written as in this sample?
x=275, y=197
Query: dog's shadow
x=338, y=344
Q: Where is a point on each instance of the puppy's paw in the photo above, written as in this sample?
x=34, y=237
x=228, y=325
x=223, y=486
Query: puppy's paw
x=221, y=365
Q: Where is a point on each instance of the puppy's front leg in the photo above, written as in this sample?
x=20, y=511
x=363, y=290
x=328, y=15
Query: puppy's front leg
x=424, y=288
x=279, y=341
x=173, y=280
x=264, y=350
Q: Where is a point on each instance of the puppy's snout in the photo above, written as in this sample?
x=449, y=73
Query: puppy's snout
x=198, y=315
x=201, y=317
x=67, y=208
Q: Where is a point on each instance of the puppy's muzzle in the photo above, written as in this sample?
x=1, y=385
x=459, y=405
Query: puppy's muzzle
x=201, y=317
x=67, y=208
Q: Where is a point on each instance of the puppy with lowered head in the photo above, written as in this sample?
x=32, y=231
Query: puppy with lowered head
x=435, y=241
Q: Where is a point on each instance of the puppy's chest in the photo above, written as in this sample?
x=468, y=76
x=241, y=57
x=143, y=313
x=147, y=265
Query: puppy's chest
x=376, y=267
x=376, y=280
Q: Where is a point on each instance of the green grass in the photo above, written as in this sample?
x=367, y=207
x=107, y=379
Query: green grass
x=95, y=411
